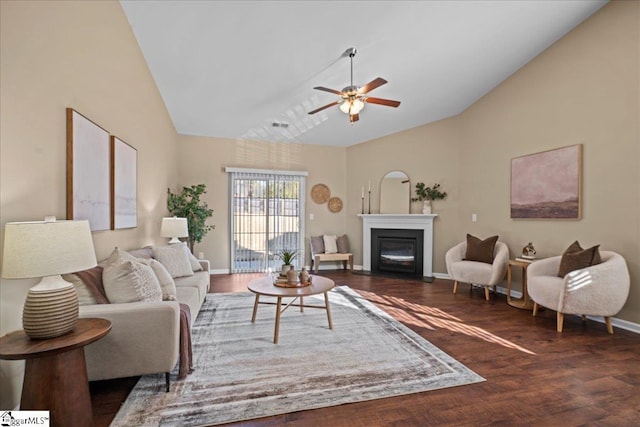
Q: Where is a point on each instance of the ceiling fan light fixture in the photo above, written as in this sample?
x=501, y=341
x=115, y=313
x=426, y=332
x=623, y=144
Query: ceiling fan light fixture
x=352, y=106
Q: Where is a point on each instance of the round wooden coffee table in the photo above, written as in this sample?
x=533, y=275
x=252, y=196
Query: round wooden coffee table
x=264, y=286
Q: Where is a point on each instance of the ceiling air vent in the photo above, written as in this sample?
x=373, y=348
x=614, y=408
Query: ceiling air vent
x=280, y=125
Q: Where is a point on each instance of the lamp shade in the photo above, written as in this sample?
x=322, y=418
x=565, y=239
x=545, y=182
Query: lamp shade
x=174, y=227
x=46, y=248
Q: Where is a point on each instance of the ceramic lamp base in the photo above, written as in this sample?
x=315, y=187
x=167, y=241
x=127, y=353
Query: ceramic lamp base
x=50, y=309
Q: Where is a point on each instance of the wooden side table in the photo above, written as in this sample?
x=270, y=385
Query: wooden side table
x=55, y=377
x=524, y=302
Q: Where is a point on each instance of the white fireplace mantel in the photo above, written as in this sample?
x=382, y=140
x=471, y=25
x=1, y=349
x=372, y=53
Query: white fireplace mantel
x=399, y=221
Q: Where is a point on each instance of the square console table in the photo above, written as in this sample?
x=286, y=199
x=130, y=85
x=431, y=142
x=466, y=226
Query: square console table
x=55, y=377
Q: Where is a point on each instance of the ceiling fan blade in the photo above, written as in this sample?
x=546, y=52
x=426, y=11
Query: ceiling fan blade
x=354, y=118
x=326, y=89
x=387, y=102
x=372, y=85
x=326, y=106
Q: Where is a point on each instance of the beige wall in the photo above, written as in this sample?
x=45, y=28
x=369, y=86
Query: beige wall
x=582, y=90
x=83, y=55
x=203, y=160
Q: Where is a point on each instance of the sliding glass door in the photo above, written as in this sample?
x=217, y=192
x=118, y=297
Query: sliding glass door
x=267, y=216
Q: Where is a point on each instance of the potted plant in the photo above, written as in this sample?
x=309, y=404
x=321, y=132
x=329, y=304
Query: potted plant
x=427, y=194
x=287, y=257
x=187, y=204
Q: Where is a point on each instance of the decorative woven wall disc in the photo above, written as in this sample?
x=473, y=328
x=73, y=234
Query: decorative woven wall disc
x=320, y=193
x=335, y=204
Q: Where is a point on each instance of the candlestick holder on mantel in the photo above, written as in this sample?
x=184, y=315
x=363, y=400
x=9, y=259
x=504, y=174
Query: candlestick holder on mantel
x=363, y=204
x=369, y=202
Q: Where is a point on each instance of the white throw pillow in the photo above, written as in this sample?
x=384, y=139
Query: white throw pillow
x=127, y=280
x=175, y=259
x=195, y=264
x=166, y=281
x=330, y=244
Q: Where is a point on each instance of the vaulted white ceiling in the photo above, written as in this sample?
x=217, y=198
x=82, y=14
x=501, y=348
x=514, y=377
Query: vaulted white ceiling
x=232, y=68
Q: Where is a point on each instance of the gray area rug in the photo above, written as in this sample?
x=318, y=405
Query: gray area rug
x=240, y=374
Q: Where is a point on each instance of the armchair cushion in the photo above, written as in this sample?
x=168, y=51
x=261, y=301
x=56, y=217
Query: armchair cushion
x=480, y=250
x=576, y=258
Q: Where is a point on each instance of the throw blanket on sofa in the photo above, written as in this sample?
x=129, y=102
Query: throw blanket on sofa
x=92, y=279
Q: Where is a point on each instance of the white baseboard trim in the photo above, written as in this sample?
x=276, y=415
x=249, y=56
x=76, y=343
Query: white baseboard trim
x=220, y=271
x=441, y=276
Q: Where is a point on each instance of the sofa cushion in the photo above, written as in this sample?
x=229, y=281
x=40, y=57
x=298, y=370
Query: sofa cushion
x=167, y=284
x=89, y=287
x=125, y=279
x=576, y=258
x=200, y=280
x=189, y=295
x=330, y=244
x=175, y=259
x=317, y=245
x=480, y=250
x=146, y=252
x=342, y=243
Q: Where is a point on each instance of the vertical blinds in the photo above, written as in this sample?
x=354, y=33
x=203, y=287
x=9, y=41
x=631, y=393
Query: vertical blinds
x=267, y=217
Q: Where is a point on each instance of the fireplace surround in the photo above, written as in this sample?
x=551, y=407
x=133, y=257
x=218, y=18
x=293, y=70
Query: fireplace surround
x=418, y=222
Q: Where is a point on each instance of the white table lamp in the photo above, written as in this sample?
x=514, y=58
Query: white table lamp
x=48, y=249
x=174, y=227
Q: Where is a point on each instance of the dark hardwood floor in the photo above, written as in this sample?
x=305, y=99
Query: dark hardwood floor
x=534, y=375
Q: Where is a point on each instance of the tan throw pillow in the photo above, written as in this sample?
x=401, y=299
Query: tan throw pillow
x=480, y=250
x=342, y=243
x=330, y=244
x=317, y=244
x=195, y=264
x=175, y=259
x=85, y=297
x=167, y=284
x=576, y=258
x=127, y=280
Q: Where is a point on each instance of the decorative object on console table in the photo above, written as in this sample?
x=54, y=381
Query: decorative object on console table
x=124, y=165
x=174, y=228
x=427, y=194
x=88, y=172
x=48, y=249
x=187, y=204
x=547, y=184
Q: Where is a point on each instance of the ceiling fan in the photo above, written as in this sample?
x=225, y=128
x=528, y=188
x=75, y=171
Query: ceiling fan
x=352, y=98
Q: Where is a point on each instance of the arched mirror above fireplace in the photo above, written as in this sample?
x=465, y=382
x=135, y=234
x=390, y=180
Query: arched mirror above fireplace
x=395, y=193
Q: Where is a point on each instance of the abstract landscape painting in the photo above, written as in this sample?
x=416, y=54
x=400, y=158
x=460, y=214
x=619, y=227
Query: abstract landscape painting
x=547, y=184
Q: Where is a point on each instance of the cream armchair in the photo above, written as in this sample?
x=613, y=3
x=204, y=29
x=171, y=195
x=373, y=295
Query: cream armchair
x=477, y=273
x=599, y=290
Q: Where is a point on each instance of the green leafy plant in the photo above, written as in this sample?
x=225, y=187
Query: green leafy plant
x=286, y=256
x=428, y=193
x=187, y=204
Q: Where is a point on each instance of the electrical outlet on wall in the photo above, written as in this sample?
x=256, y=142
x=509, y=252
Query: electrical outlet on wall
x=200, y=255
x=474, y=217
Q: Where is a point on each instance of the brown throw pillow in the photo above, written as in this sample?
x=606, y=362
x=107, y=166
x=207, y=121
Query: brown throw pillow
x=575, y=258
x=480, y=250
x=343, y=244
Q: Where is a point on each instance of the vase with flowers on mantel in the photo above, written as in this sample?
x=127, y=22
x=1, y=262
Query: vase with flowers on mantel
x=426, y=194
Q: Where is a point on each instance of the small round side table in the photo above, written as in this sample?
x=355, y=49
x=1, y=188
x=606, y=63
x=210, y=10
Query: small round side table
x=55, y=377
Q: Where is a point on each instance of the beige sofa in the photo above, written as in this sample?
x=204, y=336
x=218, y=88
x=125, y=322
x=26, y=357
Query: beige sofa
x=144, y=337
